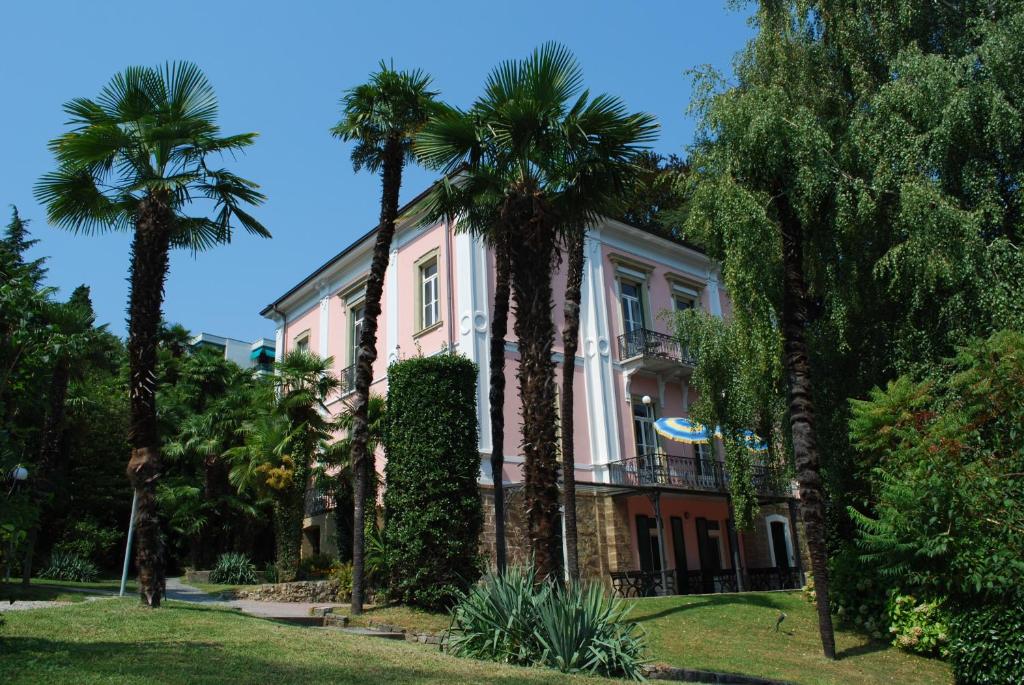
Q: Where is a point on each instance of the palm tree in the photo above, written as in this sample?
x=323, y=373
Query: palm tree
x=499, y=328
x=337, y=474
x=134, y=159
x=281, y=445
x=534, y=159
x=209, y=402
x=570, y=343
x=381, y=116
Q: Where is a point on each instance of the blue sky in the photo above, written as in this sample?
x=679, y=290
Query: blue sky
x=279, y=69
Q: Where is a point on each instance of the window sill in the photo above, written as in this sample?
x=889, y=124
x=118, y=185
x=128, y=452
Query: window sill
x=428, y=329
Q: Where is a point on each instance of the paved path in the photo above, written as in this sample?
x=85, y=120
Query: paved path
x=25, y=605
x=187, y=593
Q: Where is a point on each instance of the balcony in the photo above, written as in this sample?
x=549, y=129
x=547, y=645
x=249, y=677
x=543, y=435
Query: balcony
x=318, y=502
x=347, y=376
x=652, y=351
x=689, y=473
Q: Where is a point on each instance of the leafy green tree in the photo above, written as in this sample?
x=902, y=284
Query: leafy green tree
x=381, y=116
x=657, y=195
x=72, y=343
x=532, y=160
x=738, y=383
x=282, y=441
x=135, y=159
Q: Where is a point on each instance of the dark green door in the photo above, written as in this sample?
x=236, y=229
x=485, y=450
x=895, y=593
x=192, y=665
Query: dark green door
x=679, y=554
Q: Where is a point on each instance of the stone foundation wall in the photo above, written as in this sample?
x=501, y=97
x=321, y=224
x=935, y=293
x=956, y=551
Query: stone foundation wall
x=603, y=541
x=301, y=591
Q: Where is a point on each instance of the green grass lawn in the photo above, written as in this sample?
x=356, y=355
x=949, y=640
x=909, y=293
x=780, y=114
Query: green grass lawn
x=116, y=641
x=735, y=633
x=410, y=618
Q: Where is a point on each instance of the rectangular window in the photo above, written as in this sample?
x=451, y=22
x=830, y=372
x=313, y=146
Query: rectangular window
x=631, y=295
x=646, y=438
x=430, y=311
x=683, y=303
x=356, y=314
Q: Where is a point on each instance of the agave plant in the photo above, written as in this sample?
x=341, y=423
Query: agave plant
x=513, y=619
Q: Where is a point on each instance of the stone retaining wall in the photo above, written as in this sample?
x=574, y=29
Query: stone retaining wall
x=301, y=591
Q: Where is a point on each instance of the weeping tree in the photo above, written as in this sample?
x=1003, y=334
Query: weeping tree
x=763, y=174
x=534, y=158
x=381, y=116
x=137, y=158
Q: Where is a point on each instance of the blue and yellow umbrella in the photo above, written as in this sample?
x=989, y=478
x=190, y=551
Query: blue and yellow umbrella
x=684, y=430
x=694, y=433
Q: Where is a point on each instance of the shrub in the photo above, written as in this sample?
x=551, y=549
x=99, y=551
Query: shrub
x=919, y=627
x=88, y=540
x=576, y=629
x=857, y=594
x=233, y=568
x=343, y=576
x=432, y=467
x=269, y=573
x=67, y=566
x=317, y=567
x=987, y=645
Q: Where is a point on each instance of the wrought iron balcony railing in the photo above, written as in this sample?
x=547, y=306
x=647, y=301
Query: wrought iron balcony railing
x=347, y=376
x=691, y=473
x=318, y=502
x=641, y=342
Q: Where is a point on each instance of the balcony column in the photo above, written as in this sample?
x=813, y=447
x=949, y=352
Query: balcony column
x=796, y=540
x=656, y=501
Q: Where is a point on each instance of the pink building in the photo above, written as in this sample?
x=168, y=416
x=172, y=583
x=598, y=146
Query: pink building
x=629, y=372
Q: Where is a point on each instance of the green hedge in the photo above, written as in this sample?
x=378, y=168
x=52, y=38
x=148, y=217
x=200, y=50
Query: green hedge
x=988, y=643
x=432, y=508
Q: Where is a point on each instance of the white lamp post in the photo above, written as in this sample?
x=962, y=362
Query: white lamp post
x=18, y=474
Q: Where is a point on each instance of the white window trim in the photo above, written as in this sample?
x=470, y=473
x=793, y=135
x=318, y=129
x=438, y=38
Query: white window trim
x=419, y=266
x=350, y=309
x=768, y=520
x=300, y=339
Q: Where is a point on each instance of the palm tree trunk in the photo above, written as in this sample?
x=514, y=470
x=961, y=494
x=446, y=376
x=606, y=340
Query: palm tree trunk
x=532, y=256
x=391, y=183
x=801, y=415
x=570, y=342
x=499, y=328
x=49, y=457
x=149, y=265
x=288, y=514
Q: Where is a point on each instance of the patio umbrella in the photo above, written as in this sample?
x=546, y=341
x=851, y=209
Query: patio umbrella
x=684, y=430
x=754, y=442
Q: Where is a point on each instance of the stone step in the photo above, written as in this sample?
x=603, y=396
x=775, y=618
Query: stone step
x=369, y=632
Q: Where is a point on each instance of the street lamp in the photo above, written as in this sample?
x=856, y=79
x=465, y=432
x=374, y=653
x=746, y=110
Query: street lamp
x=17, y=475
x=646, y=399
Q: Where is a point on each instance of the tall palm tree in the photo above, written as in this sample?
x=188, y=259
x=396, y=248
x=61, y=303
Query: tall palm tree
x=574, y=243
x=499, y=328
x=135, y=159
x=381, y=116
x=336, y=477
x=534, y=159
